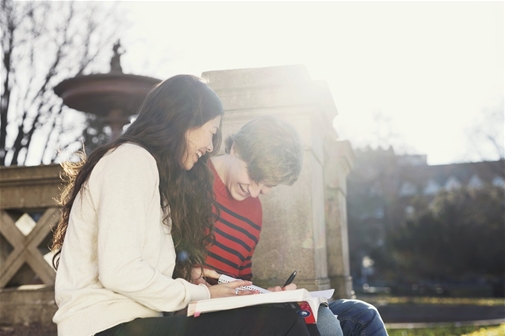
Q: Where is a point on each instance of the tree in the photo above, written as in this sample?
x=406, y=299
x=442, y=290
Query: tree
x=371, y=192
x=44, y=43
x=460, y=235
x=416, y=236
x=381, y=134
x=486, y=137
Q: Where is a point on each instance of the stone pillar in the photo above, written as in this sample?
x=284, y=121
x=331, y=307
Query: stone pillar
x=339, y=162
x=294, y=234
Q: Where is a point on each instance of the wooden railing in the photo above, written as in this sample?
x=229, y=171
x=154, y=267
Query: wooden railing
x=28, y=212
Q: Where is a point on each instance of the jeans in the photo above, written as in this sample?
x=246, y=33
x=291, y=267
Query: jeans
x=327, y=323
x=358, y=318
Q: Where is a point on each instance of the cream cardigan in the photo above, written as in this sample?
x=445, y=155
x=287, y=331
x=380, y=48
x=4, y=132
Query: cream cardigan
x=118, y=258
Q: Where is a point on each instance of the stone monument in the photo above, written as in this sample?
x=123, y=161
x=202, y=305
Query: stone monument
x=305, y=225
x=114, y=97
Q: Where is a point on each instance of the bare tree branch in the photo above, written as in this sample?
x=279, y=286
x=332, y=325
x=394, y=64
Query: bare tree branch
x=7, y=28
x=42, y=44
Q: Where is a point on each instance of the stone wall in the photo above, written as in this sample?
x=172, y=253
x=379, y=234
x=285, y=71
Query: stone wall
x=27, y=213
x=302, y=230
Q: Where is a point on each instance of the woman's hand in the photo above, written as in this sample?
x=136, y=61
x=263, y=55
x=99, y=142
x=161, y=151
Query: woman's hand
x=291, y=286
x=198, y=278
x=231, y=289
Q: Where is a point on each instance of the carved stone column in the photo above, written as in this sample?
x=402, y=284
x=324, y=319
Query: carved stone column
x=339, y=163
x=294, y=234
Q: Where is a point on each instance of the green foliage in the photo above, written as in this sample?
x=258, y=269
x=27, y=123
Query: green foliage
x=460, y=234
x=367, y=204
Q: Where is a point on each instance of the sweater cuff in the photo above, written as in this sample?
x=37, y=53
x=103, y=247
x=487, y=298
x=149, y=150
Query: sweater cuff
x=200, y=292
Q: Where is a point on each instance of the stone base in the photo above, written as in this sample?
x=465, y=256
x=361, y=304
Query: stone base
x=343, y=287
x=27, y=304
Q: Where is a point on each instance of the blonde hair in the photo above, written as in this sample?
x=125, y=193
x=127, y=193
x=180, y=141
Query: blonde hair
x=271, y=148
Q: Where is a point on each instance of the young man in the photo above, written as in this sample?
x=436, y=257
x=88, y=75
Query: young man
x=267, y=152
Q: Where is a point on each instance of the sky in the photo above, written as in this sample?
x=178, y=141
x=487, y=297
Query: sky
x=422, y=76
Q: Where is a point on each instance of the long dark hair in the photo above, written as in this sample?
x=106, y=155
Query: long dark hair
x=171, y=108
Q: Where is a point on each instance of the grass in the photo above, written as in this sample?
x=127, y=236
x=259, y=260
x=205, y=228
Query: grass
x=496, y=330
x=434, y=300
x=452, y=331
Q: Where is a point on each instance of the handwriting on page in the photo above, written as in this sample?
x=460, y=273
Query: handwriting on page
x=226, y=279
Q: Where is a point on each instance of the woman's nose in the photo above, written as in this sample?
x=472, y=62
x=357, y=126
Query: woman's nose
x=210, y=147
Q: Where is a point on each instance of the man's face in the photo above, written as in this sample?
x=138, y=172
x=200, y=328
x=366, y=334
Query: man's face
x=238, y=181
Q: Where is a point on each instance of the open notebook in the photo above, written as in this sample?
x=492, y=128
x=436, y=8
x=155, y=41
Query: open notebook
x=305, y=303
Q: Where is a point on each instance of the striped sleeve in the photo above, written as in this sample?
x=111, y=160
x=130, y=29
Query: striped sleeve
x=237, y=234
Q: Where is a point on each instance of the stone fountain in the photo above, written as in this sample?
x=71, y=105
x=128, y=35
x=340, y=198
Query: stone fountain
x=114, y=97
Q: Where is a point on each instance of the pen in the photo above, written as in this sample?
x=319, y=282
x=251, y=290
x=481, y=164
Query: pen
x=290, y=279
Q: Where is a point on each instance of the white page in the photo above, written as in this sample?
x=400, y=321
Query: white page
x=328, y=293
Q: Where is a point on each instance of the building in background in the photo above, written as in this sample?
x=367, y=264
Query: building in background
x=386, y=191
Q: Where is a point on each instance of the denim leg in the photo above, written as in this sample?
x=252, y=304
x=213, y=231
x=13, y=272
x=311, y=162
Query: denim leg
x=358, y=318
x=327, y=323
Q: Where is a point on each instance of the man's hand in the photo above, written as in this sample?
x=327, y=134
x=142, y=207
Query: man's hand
x=198, y=278
x=291, y=286
x=231, y=289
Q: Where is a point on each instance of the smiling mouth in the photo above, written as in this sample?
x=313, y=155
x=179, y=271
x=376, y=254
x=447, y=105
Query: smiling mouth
x=199, y=154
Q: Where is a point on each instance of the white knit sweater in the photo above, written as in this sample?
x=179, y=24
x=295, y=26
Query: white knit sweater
x=118, y=258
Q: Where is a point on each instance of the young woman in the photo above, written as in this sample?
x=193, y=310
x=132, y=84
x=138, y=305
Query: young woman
x=137, y=217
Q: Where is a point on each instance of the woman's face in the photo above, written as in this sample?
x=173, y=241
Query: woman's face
x=238, y=182
x=199, y=142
